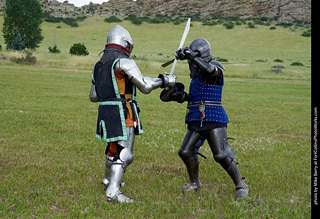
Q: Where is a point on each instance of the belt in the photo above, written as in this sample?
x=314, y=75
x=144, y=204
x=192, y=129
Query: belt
x=206, y=103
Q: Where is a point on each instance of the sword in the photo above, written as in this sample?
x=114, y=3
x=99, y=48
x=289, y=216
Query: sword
x=184, y=36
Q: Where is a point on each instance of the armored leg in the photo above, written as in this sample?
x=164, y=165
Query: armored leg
x=121, y=161
x=224, y=155
x=106, y=179
x=188, y=156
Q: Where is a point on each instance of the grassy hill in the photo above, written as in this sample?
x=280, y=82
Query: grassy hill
x=51, y=164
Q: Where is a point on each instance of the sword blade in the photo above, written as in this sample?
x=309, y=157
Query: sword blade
x=184, y=36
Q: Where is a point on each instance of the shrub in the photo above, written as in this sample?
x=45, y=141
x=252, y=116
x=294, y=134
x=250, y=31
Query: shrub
x=73, y=22
x=261, y=60
x=54, y=49
x=79, y=49
x=306, y=33
x=219, y=59
x=112, y=19
x=285, y=25
x=296, y=64
x=277, y=60
x=251, y=25
x=209, y=23
x=229, y=25
x=28, y=60
x=134, y=19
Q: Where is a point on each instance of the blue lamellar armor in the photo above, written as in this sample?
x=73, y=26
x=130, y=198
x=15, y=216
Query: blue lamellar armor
x=205, y=102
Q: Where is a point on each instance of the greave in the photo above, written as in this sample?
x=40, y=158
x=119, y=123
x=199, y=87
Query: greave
x=116, y=175
x=107, y=172
x=194, y=176
x=234, y=173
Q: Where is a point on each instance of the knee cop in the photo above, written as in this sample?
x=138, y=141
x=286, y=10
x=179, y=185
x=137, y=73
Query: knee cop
x=124, y=158
x=185, y=154
x=226, y=156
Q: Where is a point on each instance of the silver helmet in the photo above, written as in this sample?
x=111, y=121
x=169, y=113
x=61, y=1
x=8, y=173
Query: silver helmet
x=121, y=37
x=201, y=46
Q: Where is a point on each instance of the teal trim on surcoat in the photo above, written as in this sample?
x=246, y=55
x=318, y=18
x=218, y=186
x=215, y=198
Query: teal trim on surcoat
x=119, y=104
x=123, y=124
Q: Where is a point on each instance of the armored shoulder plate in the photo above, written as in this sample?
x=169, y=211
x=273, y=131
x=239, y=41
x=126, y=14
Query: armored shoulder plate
x=217, y=65
x=128, y=66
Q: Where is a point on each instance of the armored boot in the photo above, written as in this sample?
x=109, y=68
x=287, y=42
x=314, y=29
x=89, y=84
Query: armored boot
x=106, y=179
x=241, y=188
x=194, y=176
x=225, y=155
x=116, y=174
x=190, y=159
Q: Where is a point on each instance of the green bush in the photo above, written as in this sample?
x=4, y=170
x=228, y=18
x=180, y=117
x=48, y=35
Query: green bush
x=112, y=19
x=229, y=25
x=306, y=33
x=296, y=64
x=73, y=22
x=209, y=23
x=219, y=59
x=79, y=49
x=28, y=59
x=277, y=60
x=251, y=25
x=134, y=19
x=54, y=49
x=285, y=25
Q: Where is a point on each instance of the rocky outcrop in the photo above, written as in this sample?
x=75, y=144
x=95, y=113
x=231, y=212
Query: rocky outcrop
x=283, y=10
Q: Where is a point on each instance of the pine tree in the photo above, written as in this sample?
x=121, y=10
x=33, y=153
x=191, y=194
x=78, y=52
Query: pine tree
x=17, y=43
x=24, y=17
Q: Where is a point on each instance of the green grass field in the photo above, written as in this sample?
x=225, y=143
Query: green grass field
x=51, y=164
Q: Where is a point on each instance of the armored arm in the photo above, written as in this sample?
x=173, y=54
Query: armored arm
x=175, y=93
x=93, y=94
x=144, y=83
x=213, y=67
x=210, y=67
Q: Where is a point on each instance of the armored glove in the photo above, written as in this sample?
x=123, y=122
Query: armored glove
x=175, y=93
x=186, y=53
x=168, y=80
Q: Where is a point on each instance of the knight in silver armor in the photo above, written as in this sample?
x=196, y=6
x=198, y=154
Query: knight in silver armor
x=206, y=118
x=114, y=80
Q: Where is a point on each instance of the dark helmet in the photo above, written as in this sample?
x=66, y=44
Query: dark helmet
x=201, y=46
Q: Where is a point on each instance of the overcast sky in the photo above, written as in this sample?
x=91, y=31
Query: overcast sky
x=80, y=3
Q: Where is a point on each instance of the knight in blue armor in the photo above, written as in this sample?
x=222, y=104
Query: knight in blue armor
x=206, y=117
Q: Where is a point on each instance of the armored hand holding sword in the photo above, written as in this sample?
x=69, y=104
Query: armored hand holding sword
x=206, y=117
x=115, y=78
